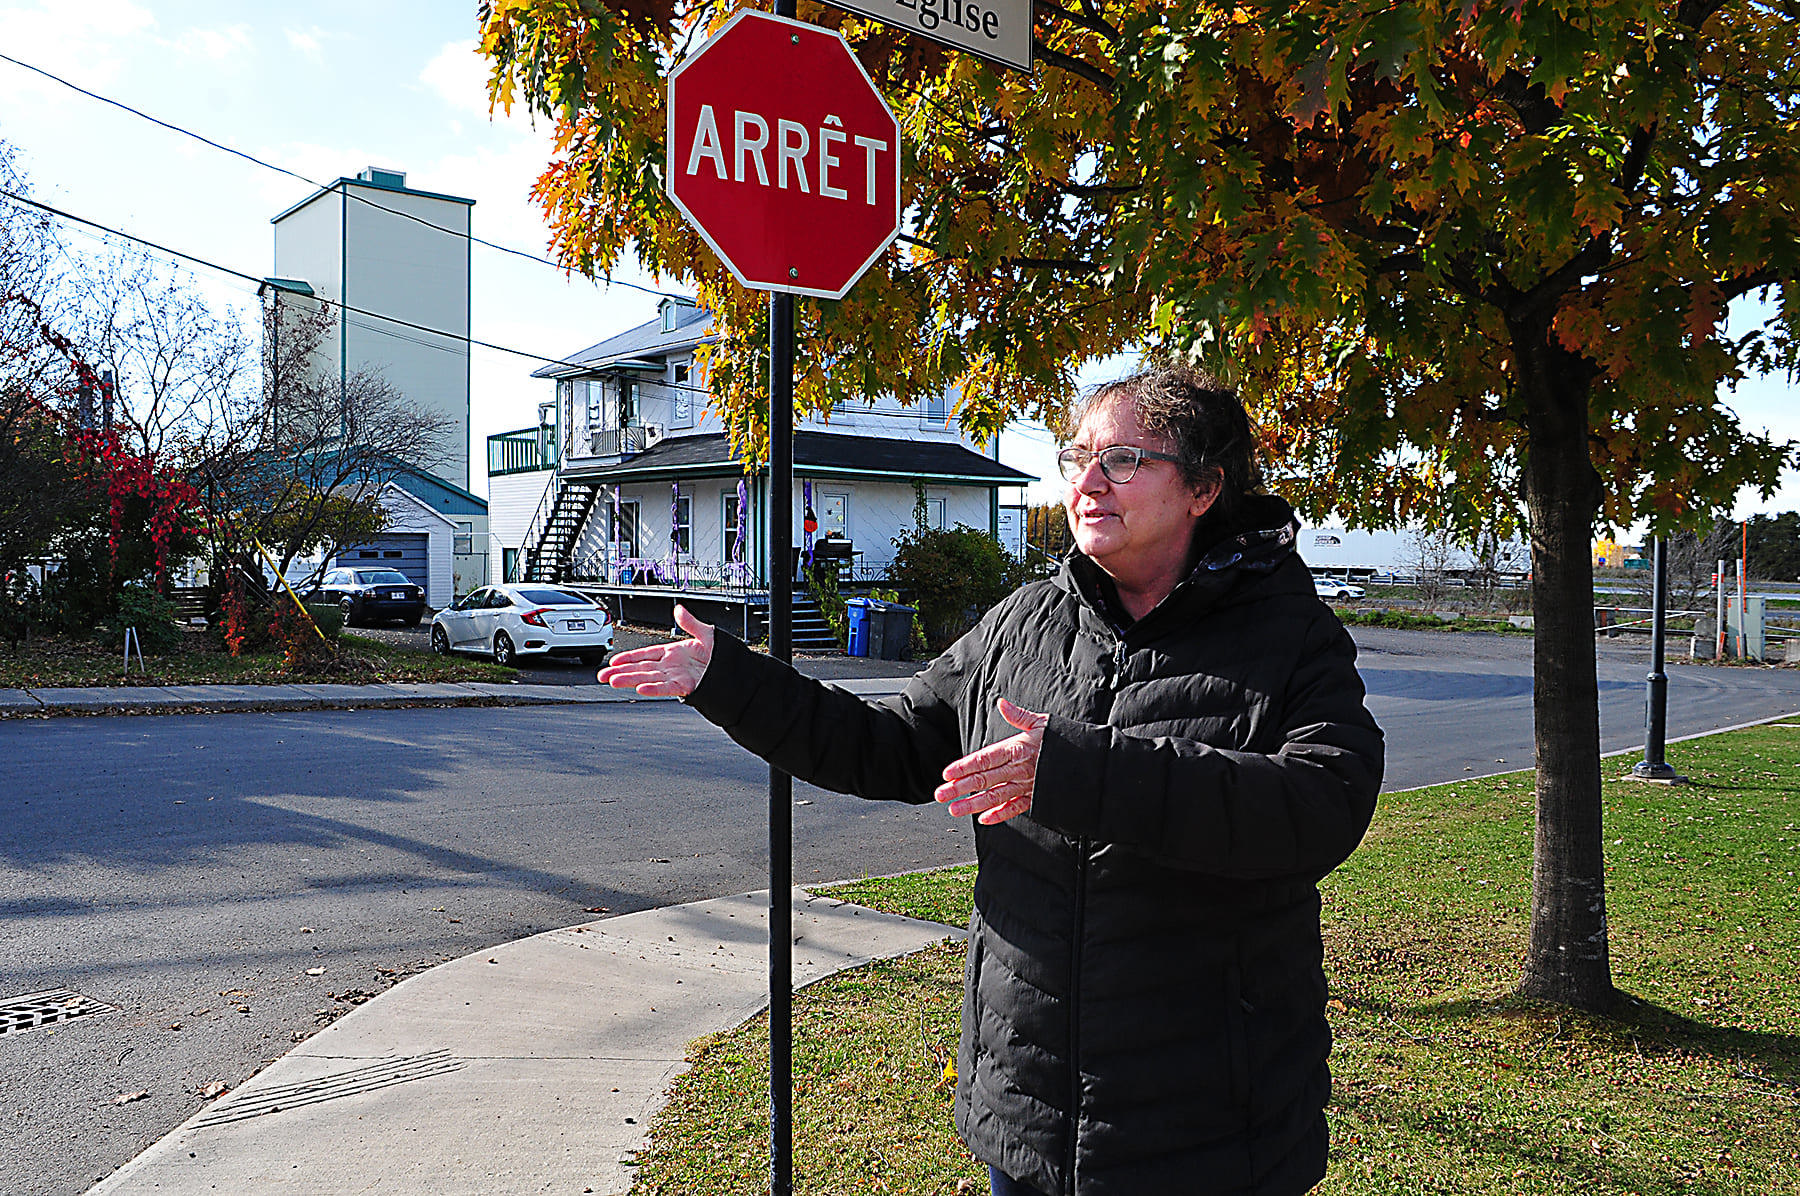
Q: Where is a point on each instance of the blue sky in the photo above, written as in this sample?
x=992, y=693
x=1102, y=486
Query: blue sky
x=325, y=89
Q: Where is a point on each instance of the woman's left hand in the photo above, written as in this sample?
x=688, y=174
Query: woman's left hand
x=996, y=782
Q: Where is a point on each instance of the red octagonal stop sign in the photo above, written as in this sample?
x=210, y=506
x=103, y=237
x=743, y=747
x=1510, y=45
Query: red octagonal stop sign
x=783, y=155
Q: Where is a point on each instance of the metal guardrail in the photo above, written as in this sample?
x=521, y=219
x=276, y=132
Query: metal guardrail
x=519, y=452
x=613, y=442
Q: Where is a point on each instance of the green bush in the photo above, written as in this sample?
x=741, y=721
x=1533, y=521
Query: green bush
x=153, y=615
x=328, y=616
x=822, y=584
x=953, y=577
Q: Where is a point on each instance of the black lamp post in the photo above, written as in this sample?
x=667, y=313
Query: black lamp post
x=1656, y=700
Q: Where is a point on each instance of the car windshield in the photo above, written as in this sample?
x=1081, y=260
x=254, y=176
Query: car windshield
x=381, y=577
x=553, y=598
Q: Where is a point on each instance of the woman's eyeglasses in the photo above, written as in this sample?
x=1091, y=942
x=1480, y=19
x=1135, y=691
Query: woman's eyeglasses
x=1119, y=462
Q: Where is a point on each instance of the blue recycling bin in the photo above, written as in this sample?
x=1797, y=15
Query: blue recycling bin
x=857, y=610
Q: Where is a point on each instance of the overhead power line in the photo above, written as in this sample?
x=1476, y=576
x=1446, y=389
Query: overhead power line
x=282, y=170
x=107, y=230
x=251, y=278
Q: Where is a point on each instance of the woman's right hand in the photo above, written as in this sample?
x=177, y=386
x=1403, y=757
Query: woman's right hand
x=670, y=670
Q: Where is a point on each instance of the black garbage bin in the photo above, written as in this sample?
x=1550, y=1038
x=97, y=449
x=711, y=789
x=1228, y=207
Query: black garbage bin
x=890, y=630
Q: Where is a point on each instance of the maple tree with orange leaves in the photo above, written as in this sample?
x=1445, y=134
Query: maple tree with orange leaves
x=1469, y=264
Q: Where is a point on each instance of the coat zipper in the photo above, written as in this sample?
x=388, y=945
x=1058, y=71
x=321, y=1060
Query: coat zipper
x=1077, y=931
x=1076, y=934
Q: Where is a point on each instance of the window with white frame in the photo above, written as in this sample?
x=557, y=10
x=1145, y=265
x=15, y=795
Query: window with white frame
x=684, y=524
x=934, y=412
x=729, y=521
x=682, y=403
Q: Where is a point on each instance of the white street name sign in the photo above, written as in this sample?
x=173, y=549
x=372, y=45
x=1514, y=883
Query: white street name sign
x=999, y=30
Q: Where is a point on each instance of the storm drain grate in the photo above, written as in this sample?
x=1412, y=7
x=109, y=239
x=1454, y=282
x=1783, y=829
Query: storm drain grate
x=35, y=1010
x=381, y=1074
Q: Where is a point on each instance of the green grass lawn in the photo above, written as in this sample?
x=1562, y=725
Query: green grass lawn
x=62, y=660
x=1445, y=1083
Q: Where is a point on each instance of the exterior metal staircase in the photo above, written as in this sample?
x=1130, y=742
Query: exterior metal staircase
x=550, y=540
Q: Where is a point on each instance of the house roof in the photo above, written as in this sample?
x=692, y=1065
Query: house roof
x=637, y=348
x=401, y=494
x=441, y=496
x=817, y=454
x=371, y=184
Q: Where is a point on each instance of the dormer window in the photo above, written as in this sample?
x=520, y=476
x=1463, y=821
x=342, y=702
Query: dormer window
x=670, y=309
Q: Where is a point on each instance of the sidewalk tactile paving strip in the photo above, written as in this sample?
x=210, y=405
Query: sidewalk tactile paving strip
x=275, y=1098
x=48, y=1008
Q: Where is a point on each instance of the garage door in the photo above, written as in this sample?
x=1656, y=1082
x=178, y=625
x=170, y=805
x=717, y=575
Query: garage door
x=405, y=552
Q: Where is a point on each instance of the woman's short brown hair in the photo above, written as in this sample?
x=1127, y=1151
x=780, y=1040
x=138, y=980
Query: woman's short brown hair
x=1201, y=416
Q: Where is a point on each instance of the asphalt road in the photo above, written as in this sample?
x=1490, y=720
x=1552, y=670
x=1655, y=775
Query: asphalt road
x=192, y=870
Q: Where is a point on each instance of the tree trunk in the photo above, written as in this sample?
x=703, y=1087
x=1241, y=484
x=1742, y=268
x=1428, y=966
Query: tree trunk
x=1567, y=960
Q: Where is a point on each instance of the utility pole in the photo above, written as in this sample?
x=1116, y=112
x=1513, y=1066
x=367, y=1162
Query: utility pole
x=1656, y=697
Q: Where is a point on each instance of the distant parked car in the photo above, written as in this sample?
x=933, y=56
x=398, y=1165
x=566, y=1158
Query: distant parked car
x=1326, y=587
x=523, y=619
x=371, y=595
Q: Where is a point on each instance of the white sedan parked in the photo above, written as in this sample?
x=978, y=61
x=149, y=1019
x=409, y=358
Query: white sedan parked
x=523, y=619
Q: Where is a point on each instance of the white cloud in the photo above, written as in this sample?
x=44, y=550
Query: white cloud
x=79, y=41
x=305, y=43
x=458, y=75
x=216, y=45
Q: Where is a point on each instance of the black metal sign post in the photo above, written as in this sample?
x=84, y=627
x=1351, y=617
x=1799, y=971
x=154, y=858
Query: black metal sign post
x=781, y=785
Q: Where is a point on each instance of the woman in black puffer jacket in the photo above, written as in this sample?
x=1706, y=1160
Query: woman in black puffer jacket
x=1165, y=747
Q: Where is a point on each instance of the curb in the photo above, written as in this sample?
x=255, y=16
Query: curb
x=216, y=699
x=69, y=701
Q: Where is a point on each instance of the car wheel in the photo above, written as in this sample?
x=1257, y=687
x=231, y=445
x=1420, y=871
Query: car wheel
x=349, y=609
x=595, y=657
x=440, y=641
x=503, y=650
x=412, y=620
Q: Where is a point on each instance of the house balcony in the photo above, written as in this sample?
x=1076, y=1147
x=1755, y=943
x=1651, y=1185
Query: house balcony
x=523, y=451
x=611, y=443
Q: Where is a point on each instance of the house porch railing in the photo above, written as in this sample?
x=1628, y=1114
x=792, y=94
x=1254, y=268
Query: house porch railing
x=690, y=574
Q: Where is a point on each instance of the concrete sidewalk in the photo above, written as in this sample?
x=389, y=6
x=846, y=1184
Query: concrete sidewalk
x=530, y=1067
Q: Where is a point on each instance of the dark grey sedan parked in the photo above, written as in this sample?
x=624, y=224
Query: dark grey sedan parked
x=371, y=596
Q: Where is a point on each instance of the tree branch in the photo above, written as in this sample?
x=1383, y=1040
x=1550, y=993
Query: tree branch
x=1074, y=265
x=1075, y=66
x=1735, y=288
x=1089, y=18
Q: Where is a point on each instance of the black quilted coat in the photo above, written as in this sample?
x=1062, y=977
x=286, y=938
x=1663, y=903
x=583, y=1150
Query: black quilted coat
x=1144, y=1009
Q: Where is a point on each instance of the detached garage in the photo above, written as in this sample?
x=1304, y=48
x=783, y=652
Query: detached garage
x=417, y=541
x=409, y=552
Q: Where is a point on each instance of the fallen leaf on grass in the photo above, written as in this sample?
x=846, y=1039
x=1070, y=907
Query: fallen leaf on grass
x=125, y=1098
